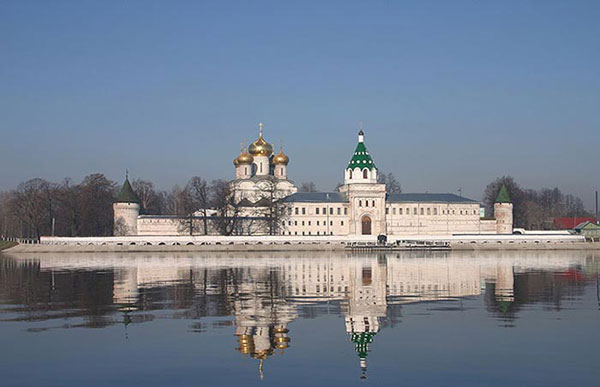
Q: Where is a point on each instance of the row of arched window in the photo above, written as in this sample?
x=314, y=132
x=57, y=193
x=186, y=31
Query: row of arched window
x=365, y=173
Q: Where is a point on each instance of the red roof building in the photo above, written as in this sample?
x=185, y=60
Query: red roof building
x=567, y=223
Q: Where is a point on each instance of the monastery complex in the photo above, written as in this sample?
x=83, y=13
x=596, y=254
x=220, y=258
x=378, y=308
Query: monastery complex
x=266, y=202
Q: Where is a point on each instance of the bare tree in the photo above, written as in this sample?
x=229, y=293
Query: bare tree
x=32, y=205
x=223, y=201
x=275, y=208
x=531, y=208
x=97, y=194
x=68, y=198
x=151, y=201
x=198, y=193
x=308, y=186
x=392, y=185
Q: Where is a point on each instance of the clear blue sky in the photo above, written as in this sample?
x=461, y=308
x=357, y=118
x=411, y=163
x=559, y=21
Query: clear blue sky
x=452, y=93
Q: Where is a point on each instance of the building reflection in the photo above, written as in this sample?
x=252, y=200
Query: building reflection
x=264, y=294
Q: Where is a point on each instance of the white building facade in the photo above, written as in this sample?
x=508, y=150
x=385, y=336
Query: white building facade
x=361, y=206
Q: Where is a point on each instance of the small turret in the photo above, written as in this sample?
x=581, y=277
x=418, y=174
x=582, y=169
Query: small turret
x=243, y=164
x=280, y=162
x=503, y=212
x=126, y=210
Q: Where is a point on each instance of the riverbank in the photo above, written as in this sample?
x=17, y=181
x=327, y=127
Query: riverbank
x=316, y=243
x=7, y=245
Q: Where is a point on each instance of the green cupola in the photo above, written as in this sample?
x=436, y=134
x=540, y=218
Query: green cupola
x=503, y=195
x=127, y=194
x=361, y=158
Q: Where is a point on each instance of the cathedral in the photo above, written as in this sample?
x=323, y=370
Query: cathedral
x=263, y=194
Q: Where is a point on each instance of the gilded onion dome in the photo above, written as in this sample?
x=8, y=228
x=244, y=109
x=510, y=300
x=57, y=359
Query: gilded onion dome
x=281, y=158
x=244, y=158
x=260, y=147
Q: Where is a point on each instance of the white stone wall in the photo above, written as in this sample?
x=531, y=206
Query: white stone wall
x=433, y=218
x=158, y=226
x=243, y=171
x=306, y=219
x=280, y=171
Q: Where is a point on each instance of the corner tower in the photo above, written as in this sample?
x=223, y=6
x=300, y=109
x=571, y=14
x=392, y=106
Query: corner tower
x=503, y=212
x=126, y=210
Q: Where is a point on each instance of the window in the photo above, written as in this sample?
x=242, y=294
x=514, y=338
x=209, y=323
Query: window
x=283, y=224
x=309, y=233
x=415, y=211
x=387, y=211
x=330, y=211
x=342, y=223
x=339, y=211
x=422, y=211
x=317, y=222
x=303, y=223
x=324, y=211
x=360, y=203
x=295, y=222
x=365, y=174
x=345, y=211
x=435, y=211
x=373, y=203
x=296, y=210
x=303, y=233
x=290, y=223
x=366, y=203
x=303, y=210
x=394, y=210
x=331, y=222
x=245, y=170
x=399, y=211
x=317, y=211
x=428, y=211
x=309, y=222
x=351, y=174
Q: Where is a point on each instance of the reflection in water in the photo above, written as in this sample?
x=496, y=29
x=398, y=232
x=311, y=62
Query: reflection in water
x=264, y=293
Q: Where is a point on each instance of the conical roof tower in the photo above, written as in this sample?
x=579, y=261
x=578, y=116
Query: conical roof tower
x=127, y=194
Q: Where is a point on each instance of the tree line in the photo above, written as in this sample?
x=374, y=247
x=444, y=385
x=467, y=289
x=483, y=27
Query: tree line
x=38, y=207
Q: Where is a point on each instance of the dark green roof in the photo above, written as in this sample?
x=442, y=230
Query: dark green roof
x=503, y=195
x=127, y=195
x=361, y=158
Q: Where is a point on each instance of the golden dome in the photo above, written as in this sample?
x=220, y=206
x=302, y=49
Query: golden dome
x=260, y=147
x=281, y=158
x=244, y=158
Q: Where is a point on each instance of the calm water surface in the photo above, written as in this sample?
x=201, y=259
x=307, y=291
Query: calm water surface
x=300, y=319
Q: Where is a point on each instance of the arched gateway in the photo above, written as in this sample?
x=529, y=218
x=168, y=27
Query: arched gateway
x=366, y=225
